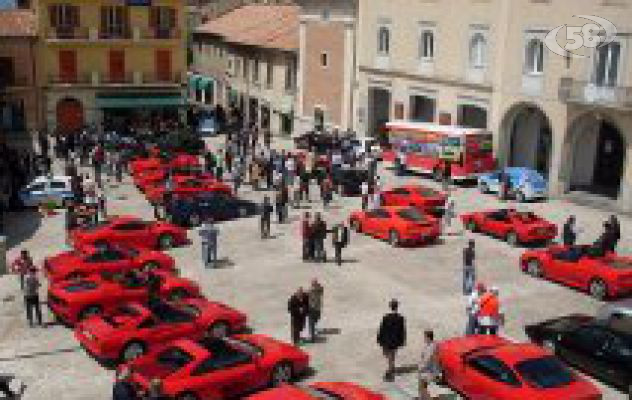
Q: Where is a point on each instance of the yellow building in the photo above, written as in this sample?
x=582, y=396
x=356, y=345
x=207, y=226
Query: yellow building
x=111, y=63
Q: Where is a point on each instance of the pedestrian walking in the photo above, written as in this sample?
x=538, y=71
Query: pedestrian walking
x=297, y=307
x=31, y=297
x=307, y=236
x=489, y=313
x=123, y=388
x=364, y=192
x=472, y=308
x=319, y=234
x=469, y=269
x=615, y=231
x=22, y=265
x=314, y=307
x=210, y=235
x=279, y=205
x=428, y=370
x=266, y=213
x=569, y=231
x=391, y=337
x=340, y=240
x=102, y=206
x=449, y=211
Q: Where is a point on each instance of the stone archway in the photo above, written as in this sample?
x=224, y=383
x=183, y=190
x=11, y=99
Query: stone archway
x=527, y=137
x=69, y=115
x=595, y=151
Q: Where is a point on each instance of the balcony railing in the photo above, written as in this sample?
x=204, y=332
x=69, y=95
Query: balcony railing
x=106, y=79
x=115, y=33
x=68, y=33
x=583, y=92
x=160, y=33
x=79, y=79
x=109, y=79
x=157, y=79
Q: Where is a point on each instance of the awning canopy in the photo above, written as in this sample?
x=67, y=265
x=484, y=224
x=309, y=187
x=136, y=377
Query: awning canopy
x=140, y=101
x=205, y=82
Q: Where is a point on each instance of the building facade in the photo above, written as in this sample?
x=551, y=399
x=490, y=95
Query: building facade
x=247, y=60
x=111, y=63
x=488, y=66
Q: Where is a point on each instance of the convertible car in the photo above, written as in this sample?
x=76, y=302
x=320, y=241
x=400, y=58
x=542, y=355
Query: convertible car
x=73, y=301
x=398, y=225
x=134, y=329
x=155, y=162
x=425, y=199
x=516, y=227
x=483, y=367
x=89, y=260
x=582, y=267
x=211, y=368
x=187, y=186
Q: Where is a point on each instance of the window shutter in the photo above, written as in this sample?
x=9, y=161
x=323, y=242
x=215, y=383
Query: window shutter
x=153, y=17
x=52, y=14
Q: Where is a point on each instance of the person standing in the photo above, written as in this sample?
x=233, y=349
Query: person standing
x=428, y=370
x=364, y=192
x=266, y=213
x=469, y=269
x=210, y=234
x=306, y=235
x=22, y=265
x=31, y=297
x=297, y=307
x=319, y=234
x=279, y=205
x=123, y=389
x=472, y=309
x=449, y=212
x=615, y=232
x=569, y=232
x=314, y=307
x=391, y=337
x=489, y=314
x=340, y=239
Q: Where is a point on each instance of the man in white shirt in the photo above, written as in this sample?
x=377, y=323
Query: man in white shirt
x=364, y=191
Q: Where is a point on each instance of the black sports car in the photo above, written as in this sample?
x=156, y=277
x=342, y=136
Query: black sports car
x=216, y=206
x=600, y=348
x=350, y=180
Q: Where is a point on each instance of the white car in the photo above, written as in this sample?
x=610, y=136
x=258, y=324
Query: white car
x=44, y=189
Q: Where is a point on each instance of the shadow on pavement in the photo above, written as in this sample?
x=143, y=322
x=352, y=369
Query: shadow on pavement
x=20, y=226
x=40, y=354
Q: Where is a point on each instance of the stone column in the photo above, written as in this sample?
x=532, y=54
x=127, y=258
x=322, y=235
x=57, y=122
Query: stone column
x=300, y=79
x=346, y=112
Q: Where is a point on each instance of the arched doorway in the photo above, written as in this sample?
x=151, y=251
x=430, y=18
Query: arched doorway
x=597, y=150
x=69, y=115
x=528, y=137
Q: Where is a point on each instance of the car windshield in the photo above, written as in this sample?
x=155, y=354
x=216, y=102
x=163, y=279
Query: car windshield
x=412, y=214
x=174, y=358
x=545, y=372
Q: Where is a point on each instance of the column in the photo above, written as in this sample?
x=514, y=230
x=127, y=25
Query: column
x=346, y=112
x=560, y=169
x=300, y=79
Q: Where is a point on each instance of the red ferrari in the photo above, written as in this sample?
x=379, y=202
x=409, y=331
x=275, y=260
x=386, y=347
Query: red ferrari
x=89, y=260
x=582, y=267
x=211, y=369
x=187, y=187
x=152, y=178
x=425, y=199
x=516, y=227
x=130, y=231
x=398, y=225
x=154, y=162
x=73, y=301
x=483, y=367
x=319, y=391
x=133, y=329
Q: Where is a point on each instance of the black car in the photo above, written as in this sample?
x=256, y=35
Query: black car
x=602, y=349
x=351, y=180
x=217, y=206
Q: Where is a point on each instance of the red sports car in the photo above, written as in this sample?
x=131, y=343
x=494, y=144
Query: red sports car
x=154, y=162
x=130, y=231
x=211, y=369
x=89, y=260
x=398, y=225
x=133, y=329
x=582, y=267
x=319, y=391
x=516, y=227
x=187, y=187
x=151, y=178
x=73, y=301
x=425, y=199
x=484, y=367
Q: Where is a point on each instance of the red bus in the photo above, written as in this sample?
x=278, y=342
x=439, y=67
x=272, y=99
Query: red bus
x=429, y=148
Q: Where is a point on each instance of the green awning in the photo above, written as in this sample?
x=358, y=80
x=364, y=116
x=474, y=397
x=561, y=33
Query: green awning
x=141, y=101
x=205, y=82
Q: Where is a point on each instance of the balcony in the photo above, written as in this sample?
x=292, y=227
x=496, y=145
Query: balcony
x=69, y=79
x=159, y=33
x=97, y=79
x=175, y=78
x=589, y=93
x=62, y=33
x=116, y=33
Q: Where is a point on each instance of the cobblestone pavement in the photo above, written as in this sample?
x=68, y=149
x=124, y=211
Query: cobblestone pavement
x=258, y=276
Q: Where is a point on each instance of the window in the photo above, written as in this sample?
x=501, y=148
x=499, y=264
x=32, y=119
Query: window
x=494, y=369
x=534, y=61
x=7, y=73
x=64, y=18
x=114, y=22
x=255, y=71
x=607, y=65
x=324, y=60
x=162, y=20
x=426, y=44
x=478, y=49
x=384, y=41
x=290, y=74
x=269, y=74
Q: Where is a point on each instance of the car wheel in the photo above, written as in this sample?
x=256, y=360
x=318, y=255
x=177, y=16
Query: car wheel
x=534, y=268
x=282, y=373
x=393, y=238
x=132, y=351
x=512, y=239
x=165, y=241
x=151, y=266
x=89, y=311
x=178, y=294
x=219, y=329
x=598, y=289
x=356, y=225
x=194, y=220
x=550, y=344
x=472, y=226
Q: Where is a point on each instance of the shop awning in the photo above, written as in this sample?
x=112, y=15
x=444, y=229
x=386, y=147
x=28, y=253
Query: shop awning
x=205, y=82
x=140, y=101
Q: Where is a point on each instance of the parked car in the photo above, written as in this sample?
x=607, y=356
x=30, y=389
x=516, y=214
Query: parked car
x=219, y=368
x=186, y=187
x=350, y=179
x=153, y=162
x=617, y=310
x=73, y=301
x=207, y=126
x=130, y=231
x=601, y=350
x=582, y=267
x=482, y=367
x=319, y=391
x=423, y=198
x=56, y=189
x=134, y=329
x=89, y=260
x=398, y=225
x=516, y=227
x=524, y=184
x=217, y=206
x=156, y=177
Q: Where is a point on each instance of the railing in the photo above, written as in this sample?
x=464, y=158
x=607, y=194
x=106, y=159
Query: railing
x=155, y=78
x=583, y=92
x=68, y=33
x=160, y=33
x=79, y=79
x=108, y=79
x=122, y=32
